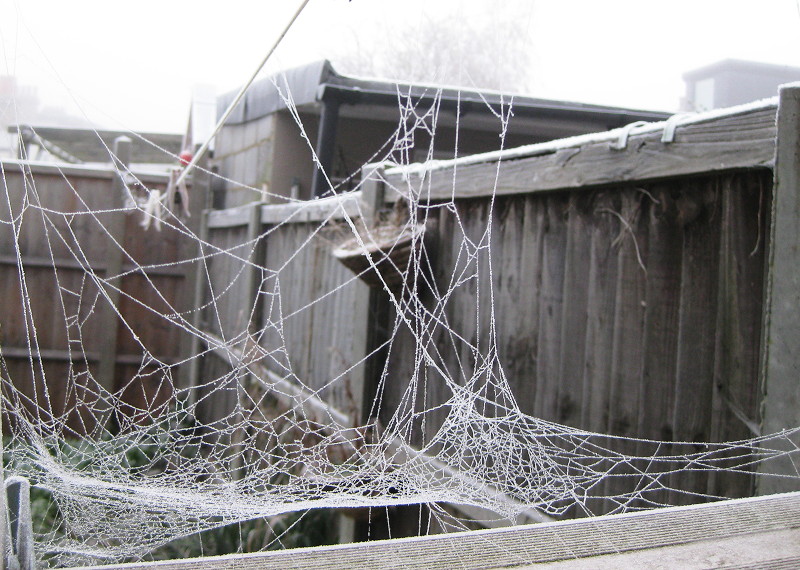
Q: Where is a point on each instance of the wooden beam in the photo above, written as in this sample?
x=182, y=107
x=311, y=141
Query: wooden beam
x=229, y=217
x=736, y=141
x=743, y=533
x=54, y=354
x=199, y=281
x=335, y=207
x=64, y=171
x=781, y=325
x=73, y=264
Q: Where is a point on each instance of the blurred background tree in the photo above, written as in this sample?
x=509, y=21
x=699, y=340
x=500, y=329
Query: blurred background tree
x=488, y=49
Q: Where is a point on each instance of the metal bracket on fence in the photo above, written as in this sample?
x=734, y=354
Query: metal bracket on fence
x=622, y=141
x=670, y=126
x=19, y=553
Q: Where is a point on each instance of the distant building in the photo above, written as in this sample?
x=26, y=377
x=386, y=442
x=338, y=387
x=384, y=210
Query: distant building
x=734, y=82
x=15, y=101
x=349, y=120
x=20, y=104
x=91, y=147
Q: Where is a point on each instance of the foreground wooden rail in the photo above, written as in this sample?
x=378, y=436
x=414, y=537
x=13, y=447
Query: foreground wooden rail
x=761, y=532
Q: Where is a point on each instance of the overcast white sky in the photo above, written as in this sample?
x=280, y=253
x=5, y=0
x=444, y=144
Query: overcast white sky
x=132, y=65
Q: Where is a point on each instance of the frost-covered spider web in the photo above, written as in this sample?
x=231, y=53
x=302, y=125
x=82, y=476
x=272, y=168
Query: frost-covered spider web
x=344, y=353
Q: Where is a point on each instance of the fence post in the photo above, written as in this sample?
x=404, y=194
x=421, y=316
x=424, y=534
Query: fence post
x=198, y=297
x=372, y=311
x=19, y=548
x=252, y=301
x=200, y=200
x=368, y=333
x=251, y=307
x=780, y=374
x=109, y=320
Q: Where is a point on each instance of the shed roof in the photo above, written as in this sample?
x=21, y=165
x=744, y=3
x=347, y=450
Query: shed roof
x=310, y=84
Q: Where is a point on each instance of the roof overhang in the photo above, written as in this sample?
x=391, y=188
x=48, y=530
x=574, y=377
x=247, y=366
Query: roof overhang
x=308, y=86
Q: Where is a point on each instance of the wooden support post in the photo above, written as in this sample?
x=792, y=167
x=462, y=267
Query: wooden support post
x=251, y=308
x=255, y=273
x=20, y=524
x=198, y=295
x=367, y=317
x=109, y=320
x=781, y=324
x=369, y=314
x=199, y=201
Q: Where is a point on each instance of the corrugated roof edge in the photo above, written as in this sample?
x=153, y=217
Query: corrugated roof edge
x=577, y=141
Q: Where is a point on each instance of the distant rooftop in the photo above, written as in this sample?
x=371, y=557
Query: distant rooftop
x=89, y=146
x=734, y=82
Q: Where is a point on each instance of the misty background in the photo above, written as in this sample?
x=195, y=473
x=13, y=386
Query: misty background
x=135, y=65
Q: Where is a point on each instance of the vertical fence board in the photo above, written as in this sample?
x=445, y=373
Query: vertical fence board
x=601, y=303
x=524, y=347
x=699, y=212
x=552, y=303
x=662, y=296
x=575, y=311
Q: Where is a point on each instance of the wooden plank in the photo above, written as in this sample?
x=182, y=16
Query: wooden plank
x=75, y=356
x=190, y=301
x=551, y=309
x=601, y=307
x=254, y=272
x=523, y=314
x=746, y=533
x=369, y=313
x=511, y=284
x=781, y=332
x=694, y=382
x=628, y=349
x=575, y=310
x=335, y=207
x=198, y=296
x=116, y=241
x=230, y=217
x=42, y=169
x=96, y=267
x=737, y=392
x=662, y=299
x=466, y=321
x=731, y=142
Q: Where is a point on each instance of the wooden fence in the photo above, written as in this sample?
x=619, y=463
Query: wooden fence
x=629, y=289
x=87, y=289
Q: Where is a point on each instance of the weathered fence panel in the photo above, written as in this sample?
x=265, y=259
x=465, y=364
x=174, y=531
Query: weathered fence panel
x=625, y=293
x=53, y=336
x=618, y=310
x=301, y=308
